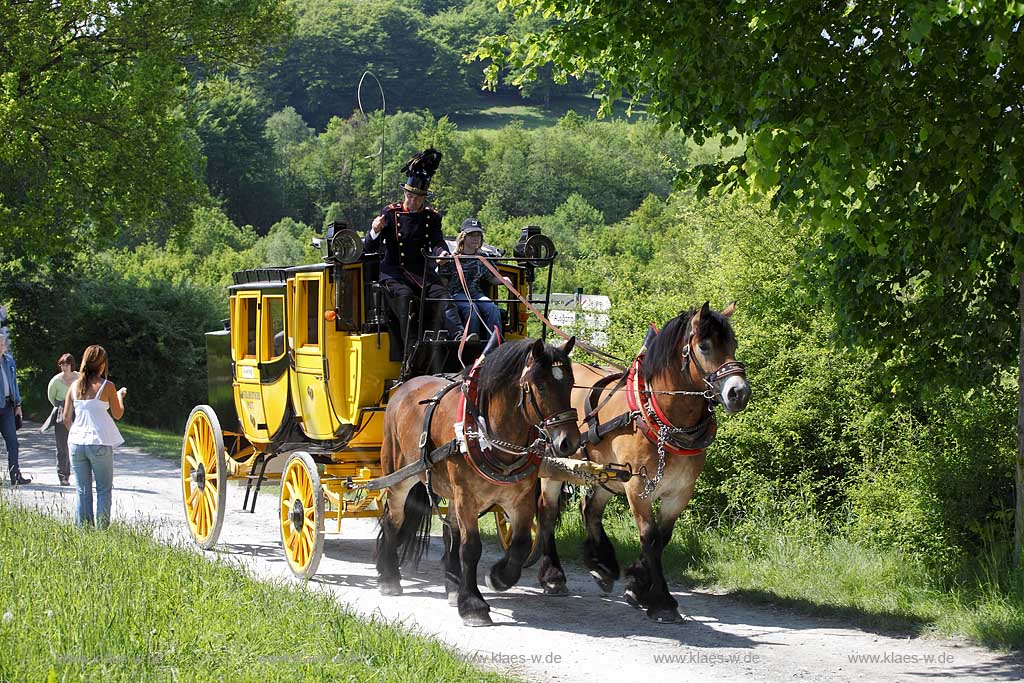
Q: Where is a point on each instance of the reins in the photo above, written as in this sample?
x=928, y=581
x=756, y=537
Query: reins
x=589, y=348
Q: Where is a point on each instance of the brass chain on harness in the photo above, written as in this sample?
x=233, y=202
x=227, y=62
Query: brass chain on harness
x=664, y=433
x=651, y=484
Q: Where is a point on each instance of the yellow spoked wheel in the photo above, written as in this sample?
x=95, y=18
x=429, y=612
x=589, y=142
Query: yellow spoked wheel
x=204, y=476
x=302, y=515
x=504, y=526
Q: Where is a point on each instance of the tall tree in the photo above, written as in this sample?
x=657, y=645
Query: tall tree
x=895, y=127
x=230, y=119
x=337, y=40
x=90, y=92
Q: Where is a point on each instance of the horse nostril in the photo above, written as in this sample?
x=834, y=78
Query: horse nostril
x=739, y=395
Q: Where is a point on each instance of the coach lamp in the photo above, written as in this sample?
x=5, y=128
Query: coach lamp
x=344, y=245
x=533, y=250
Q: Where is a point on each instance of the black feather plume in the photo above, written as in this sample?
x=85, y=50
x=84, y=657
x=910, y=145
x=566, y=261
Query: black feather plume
x=425, y=162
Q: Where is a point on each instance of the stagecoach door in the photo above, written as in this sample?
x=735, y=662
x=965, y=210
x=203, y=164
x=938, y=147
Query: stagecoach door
x=261, y=362
x=308, y=293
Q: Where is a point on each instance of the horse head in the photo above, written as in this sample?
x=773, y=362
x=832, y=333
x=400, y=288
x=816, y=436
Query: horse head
x=709, y=348
x=545, y=386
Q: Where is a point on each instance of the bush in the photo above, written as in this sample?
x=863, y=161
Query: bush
x=153, y=334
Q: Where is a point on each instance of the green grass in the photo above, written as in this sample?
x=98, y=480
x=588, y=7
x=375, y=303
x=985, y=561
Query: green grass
x=163, y=444
x=507, y=110
x=81, y=605
x=802, y=566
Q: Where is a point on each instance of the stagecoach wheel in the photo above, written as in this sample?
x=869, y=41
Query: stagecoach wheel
x=302, y=515
x=504, y=526
x=204, y=476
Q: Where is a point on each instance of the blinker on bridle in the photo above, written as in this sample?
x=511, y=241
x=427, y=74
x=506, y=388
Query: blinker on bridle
x=527, y=394
x=726, y=369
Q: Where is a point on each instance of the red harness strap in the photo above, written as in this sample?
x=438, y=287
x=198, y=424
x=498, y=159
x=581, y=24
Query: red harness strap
x=635, y=388
x=475, y=452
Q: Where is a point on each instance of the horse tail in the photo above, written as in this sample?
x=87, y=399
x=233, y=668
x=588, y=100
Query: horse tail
x=414, y=536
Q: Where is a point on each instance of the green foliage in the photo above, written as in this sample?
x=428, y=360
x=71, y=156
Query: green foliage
x=932, y=478
x=337, y=40
x=894, y=129
x=149, y=306
x=94, y=140
x=287, y=244
x=231, y=121
x=151, y=328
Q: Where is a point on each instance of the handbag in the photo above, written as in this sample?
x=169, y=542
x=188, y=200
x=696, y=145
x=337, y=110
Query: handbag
x=52, y=419
x=17, y=422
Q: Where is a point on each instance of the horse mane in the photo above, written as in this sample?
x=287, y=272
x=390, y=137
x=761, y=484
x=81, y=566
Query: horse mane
x=663, y=354
x=500, y=372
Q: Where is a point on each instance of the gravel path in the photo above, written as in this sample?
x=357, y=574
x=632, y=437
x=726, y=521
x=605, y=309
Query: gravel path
x=585, y=637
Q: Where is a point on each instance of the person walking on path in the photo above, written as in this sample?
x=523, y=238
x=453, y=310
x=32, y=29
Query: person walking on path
x=10, y=413
x=90, y=408
x=56, y=392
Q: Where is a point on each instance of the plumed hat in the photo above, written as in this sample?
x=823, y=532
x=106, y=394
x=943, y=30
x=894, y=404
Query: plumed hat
x=419, y=171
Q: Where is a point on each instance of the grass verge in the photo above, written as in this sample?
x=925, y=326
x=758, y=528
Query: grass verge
x=799, y=564
x=115, y=605
x=163, y=444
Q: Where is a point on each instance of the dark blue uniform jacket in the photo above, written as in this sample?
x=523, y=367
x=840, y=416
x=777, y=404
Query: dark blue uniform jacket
x=401, y=242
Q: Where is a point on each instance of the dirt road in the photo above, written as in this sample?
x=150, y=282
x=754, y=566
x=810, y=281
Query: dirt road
x=586, y=637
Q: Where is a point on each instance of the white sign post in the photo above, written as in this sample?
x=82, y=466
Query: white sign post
x=584, y=315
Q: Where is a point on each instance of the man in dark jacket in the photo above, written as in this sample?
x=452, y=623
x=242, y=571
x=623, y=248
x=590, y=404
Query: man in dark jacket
x=401, y=234
x=10, y=412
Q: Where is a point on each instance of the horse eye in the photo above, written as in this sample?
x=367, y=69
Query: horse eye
x=704, y=347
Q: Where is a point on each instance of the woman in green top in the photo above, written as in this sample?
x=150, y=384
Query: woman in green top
x=55, y=393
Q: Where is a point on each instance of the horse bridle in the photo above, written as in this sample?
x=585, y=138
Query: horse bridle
x=527, y=396
x=726, y=369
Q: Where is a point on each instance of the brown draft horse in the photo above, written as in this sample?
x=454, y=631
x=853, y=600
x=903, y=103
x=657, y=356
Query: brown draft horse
x=687, y=368
x=522, y=407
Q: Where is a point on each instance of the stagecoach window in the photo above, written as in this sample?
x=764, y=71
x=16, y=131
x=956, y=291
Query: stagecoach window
x=250, y=327
x=273, y=327
x=312, y=288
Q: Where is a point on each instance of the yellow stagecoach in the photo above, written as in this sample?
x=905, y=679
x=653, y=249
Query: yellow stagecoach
x=303, y=370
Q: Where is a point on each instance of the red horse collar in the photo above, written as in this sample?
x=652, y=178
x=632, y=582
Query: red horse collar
x=482, y=460
x=655, y=425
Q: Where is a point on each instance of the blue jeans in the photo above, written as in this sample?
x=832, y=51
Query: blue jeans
x=485, y=307
x=10, y=435
x=88, y=461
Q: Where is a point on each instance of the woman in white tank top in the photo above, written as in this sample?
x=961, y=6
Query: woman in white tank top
x=90, y=408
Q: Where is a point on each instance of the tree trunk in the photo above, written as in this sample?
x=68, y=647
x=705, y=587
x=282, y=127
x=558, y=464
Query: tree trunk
x=1018, y=527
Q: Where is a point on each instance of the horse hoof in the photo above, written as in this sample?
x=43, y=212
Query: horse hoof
x=556, y=589
x=495, y=584
x=605, y=583
x=480, y=619
x=389, y=588
x=453, y=598
x=630, y=597
x=665, y=616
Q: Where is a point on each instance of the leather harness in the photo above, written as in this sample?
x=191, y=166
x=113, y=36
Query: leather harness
x=470, y=430
x=646, y=415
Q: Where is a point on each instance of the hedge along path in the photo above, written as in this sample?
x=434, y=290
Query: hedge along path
x=539, y=638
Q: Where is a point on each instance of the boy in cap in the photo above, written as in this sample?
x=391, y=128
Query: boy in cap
x=477, y=307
